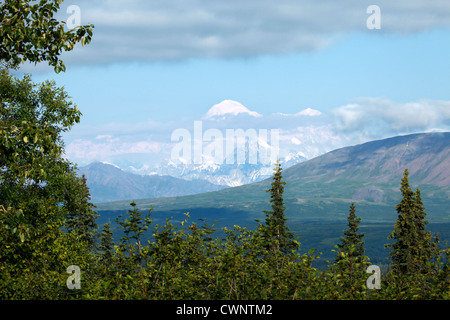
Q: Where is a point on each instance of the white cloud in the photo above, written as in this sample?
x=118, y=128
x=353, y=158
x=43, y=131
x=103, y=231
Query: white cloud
x=375, y=116
x=85, y=151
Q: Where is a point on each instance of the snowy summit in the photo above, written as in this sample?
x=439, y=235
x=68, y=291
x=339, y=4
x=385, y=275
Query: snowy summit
x=229, y=107
x=309, y=112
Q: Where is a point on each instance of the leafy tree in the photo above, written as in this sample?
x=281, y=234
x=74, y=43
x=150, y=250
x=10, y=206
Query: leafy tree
x=352, y=237
x=276, y=232
x=38, y=187
x=32, y=119
x=29, y=32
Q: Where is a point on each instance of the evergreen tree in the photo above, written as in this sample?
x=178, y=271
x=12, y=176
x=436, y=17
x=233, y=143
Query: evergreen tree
x=133, y=227
x=106, y=245
x=427, y=244
x=404, y=233
x=275, y=228
x=352, y=243
x=82, y=217
x=413, y=245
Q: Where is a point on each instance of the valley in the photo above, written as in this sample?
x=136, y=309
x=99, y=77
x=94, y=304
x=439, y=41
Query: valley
x=318, y=194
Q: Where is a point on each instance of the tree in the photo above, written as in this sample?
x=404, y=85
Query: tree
x=32, y=119
x=81, y=217
x=106, y=245
x=29, y=32
x=405, y=231
x=133, y=227
x=275, y=228
x=38, y=187
x=427, y=244
x=352, y=244
x=413, y=246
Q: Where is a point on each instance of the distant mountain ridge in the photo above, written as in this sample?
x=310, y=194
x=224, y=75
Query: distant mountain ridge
x=323, y=187
x=381, y=162
x=107, y=182
x=227, y=174
x=211, y=147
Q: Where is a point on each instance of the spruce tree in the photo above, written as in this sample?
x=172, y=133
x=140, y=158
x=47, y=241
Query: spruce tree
x=275, y=228
x=427, y=244
x=106, y=244
x=82, y=217
x=413, y=245
x=404, y=233
x=352, y=238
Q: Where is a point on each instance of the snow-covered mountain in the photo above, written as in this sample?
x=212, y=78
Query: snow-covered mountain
x=219, y=174
x=228, y=107
x=204, y=146
x=300, y=136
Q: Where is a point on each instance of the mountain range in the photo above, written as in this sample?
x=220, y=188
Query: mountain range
x=200, y=148
x=108, y=182
x=321, y=189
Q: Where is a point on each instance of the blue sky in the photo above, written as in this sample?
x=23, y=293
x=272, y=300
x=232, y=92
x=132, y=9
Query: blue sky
x=160, y=62
x=399, y=67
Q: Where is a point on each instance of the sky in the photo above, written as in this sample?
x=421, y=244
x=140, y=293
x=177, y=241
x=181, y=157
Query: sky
x=157, y=65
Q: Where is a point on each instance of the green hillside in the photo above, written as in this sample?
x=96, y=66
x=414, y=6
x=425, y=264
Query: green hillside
x=321, y=189
x=319, y=192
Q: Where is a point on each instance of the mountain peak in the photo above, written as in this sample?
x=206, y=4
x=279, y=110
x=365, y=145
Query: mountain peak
x=229, y=107
x=309, y=112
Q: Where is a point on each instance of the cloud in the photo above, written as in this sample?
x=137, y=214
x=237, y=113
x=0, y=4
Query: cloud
x=375, y=116
x=92, y=150
x=142, y=30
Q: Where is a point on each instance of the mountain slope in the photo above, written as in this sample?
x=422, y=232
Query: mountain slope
x=425, y=155
x=108, y=183
x=323, y=187
x=377, y=166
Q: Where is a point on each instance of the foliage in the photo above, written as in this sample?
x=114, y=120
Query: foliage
x=186, y=261
x=47, y=222
x=29, y=32
x=39, y=190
